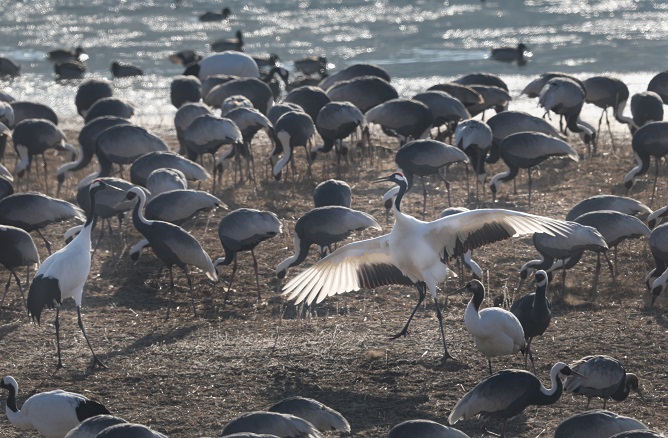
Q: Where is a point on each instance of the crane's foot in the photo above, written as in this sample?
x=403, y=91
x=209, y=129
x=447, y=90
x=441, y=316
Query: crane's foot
x=403, y=332
x=97, y=363
x=447, y=356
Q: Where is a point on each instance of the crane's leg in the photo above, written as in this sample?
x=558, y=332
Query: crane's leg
x=489, y=363
x=422, y=291
x=257, y=275
x=656, y=176
x=597, y=272
x=57, y=325
x=229, y=285
x=615, y=271
x=612, y=139
x=611, y=267
x=171, y=290
x=9, y=281
x=96, y=360
x=529, y=172
x=439, y=315
x=424, y=198
x=190, y=287
x=18, y=283
x=46, y=242
x=447, y=187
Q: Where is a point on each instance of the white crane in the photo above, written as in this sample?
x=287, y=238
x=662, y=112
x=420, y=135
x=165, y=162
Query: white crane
x=52, y=413
x=63, y=275
x=497, y=332
x=412, y=252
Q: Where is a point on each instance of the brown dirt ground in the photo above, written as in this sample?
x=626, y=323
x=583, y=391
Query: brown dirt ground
x=189, y=376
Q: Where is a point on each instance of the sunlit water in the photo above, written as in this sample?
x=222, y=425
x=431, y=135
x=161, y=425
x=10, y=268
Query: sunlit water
x=420, y=43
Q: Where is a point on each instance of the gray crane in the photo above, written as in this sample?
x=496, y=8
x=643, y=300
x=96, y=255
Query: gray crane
x=424, y=429
x=172, y=245
x=354, y=71
x=405, y=119
x=34, y=211
x=334, y=122
x=364, y=92
x=507, y=393
x=646, y=107
x=332, y=192
x=146, y=164
x=18, y=249
x=184, y=117
x=475, y=139
x=263, y=422
x=525, y=150
x=597, y=423
x=292, y=129
x=242, y=230
x=601, y=376
x=90, y=91
x=651, y=140
x=318, y=414
x=185, y=89
x=608, y=92
x=110, y=106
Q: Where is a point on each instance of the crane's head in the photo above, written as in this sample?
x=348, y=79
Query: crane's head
x=397, y=178
x=632, y=384
x=562, y=370
x=541, y=278
x=9, y=383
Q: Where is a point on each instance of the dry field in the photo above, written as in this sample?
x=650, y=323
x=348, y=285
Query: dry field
x=187, y=377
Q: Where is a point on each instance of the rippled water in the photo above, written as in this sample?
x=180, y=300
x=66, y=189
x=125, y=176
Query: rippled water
x=419, y=42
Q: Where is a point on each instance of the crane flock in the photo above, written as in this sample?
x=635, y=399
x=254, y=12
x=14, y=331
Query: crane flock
x=355, y=103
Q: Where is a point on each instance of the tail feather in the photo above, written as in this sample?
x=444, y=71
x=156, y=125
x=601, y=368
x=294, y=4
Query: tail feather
x=44, y=292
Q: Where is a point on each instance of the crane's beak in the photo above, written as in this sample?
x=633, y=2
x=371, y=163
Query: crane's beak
x=381, y=179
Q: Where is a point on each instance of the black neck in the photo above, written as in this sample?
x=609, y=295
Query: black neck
x=620, y=395
x=11, y=398
x=542, y=399
x=478, y=296
x=91, y=219
x=402, y=190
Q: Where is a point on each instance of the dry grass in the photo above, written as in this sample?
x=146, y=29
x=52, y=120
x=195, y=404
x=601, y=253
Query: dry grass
x=187, y=377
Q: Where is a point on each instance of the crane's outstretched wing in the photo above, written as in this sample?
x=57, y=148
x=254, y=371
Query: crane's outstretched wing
x=364, y=264
x=471, y=229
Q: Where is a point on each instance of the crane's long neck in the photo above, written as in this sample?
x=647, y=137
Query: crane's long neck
x=474, y=305
x=301, y=251
x=549, y=396
x=403, y=187
x=138, y=219
x=13, y=414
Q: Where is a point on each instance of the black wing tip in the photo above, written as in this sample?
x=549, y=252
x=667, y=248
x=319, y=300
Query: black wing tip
x=90, y=408
x=44, y=292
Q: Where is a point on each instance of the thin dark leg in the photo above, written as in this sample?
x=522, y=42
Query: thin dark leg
x=421, y=287
x=171, y=290
x=612, y=139
x=424, y=198
x=597, y=272
x=9, y=281
x=656, y=176
x=229, y=285
x=257, y=276
x=439, y=315
x=96, y=361
x=18, y=283
x=57, y=324
x=46, y=242
x=190, y=287
x=611, y=267
x=529, y=171
x=489, y=364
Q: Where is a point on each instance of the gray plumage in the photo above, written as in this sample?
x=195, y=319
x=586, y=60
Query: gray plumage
x=178, y=206
x=310, y=98
x=185, y=89
x=445, y=109
x=89, y=92
x=566, y=97
x=109, y=203
x=242, y=230
x=332, y=192
x=474, y=137
x=6, y=186
x=427, y=157
x=88, y=145
x=90, y=427
x=207, y=133
x=250, y=435
x=658, y=244
x=649, y=141
x=492, y=98
x=18, y=249
x=34, y=211
x=615, y=227
x=638, y=434
x=171, y=244
x=405, y=119
x=184, y=117
x=424, y=429
x=34, y=137
x=6, y=115
x=621, y=204
x=534, y=312
x=533, y=88
x=24, y=109
x=465, y=94
x=143, y=166
x=254, y=89
x=129, y=430
x=292, y=129
x=646, y=107
x=364, y=92
x=279, y=109
x=601, y=376
x=659, y=85
x=163, y=180
x=110, y=106
x=507, y=393
x=525, y=150
x=324, y=226
x=282, y=425
x=354, y=71
x=335, y=122
x=482, y=78
x=318, y=414
x=597, y=423
x=511, y=122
